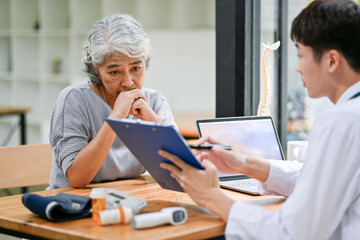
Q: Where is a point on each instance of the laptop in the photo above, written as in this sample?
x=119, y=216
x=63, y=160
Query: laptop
x=253, y=135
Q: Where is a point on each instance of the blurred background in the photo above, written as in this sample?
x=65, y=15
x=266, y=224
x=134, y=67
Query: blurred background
x=41, y=43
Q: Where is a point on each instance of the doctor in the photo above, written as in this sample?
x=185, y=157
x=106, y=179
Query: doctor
x=324, y=194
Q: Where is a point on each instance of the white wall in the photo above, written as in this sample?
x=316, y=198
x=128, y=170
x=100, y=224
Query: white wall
x=183, y=68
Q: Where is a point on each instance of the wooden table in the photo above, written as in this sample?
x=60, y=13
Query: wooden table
x=17, y=220
x=4, y=111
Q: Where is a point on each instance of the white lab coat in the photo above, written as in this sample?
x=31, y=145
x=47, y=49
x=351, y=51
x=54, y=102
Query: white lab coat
x=324, y=194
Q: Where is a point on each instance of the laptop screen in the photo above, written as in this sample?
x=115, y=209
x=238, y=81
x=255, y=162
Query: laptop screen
x=249, y=135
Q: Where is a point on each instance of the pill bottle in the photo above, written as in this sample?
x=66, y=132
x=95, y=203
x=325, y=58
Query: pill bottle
x=98, y=203
x=121, y=214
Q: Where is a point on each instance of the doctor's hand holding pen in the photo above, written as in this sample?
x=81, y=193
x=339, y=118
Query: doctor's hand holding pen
x=233, y=161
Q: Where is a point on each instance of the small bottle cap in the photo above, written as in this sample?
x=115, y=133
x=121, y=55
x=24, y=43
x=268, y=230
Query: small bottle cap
x=98, y=193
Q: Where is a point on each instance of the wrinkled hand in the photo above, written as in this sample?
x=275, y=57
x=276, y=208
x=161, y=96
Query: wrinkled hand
x=133, y=102
x=125, y=101
x=141, y=109
x=226, y=161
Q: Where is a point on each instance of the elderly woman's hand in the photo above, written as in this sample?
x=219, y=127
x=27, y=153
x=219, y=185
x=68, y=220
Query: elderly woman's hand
x=124, y=102
x=134, y=102
x=141, y=109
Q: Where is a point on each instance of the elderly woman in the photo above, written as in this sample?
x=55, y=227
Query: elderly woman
x=85, y=148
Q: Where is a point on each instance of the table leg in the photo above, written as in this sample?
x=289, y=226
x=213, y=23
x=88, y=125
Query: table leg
x=23, y=129
x=23, y=137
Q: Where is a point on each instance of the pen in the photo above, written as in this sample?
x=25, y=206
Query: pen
x=209, y=146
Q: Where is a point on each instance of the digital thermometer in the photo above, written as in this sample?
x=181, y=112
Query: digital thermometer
x=172, y=215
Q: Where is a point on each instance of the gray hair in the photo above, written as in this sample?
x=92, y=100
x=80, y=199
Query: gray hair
x=115, y=33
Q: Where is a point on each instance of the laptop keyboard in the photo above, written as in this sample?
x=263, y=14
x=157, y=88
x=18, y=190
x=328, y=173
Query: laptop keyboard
x=247, y=185
x=240, y=183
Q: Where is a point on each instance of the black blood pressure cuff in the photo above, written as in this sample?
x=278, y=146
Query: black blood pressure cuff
x=58, y=208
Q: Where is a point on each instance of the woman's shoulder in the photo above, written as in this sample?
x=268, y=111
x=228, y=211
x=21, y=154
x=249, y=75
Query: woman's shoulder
x=151, y=93
x=149, y=90
x=74, y=91
x=78, y=87
x=74, y=99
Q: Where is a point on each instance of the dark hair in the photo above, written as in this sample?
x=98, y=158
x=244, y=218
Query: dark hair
x=330, y=24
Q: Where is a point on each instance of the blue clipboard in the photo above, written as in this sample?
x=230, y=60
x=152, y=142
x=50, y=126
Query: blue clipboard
x=144, y=139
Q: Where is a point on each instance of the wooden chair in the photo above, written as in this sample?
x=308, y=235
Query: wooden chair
x=25, y=165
